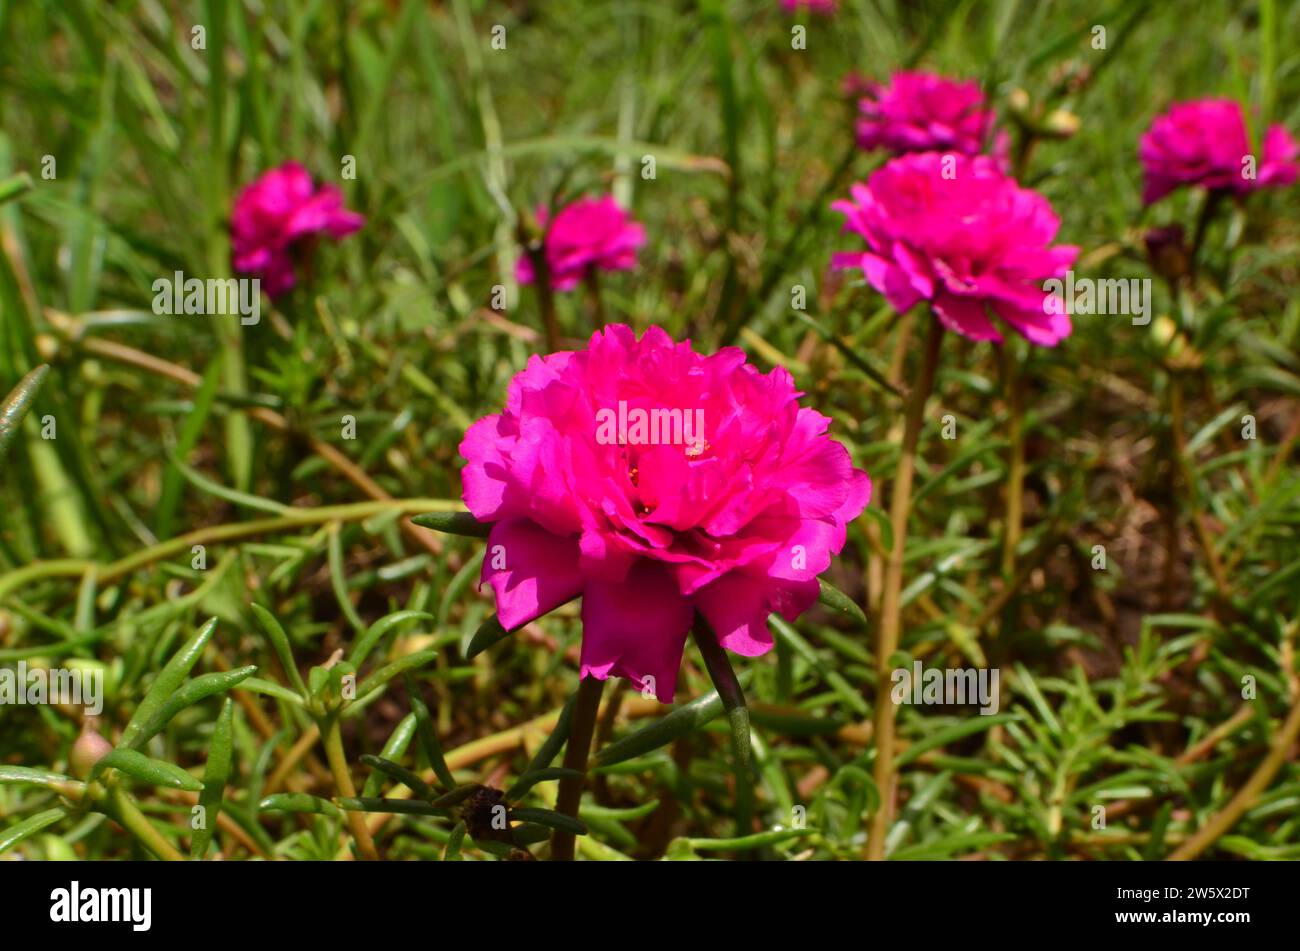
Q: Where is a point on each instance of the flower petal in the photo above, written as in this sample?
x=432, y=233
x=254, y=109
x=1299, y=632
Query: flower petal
x=530, y=570
x=636, y=629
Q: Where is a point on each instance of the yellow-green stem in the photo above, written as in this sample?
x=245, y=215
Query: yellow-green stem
x=598, y=318
x=891, y=602
x=343, y=783
x=134, y=821
x=1246, y=797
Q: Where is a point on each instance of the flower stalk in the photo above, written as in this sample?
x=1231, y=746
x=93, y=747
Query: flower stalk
x=545, y=293
x=891, y=601
x=1014, y=380
x=125, y=811
x=598, y=316
x=576, y=751
x=338, y=764
x=733, y=702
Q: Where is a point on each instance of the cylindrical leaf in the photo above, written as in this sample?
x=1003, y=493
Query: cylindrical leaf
x=454, y=523
x=166, y=683
x=14, y=407
x=548, y=817
x=281, y=645
x=215, y=774
x=375, y=633
x=152, y=771
x=839, y=602
x=200, y=688
x=29, y=827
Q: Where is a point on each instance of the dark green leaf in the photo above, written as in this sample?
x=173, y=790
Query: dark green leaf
x=399, y=774
x=839, y=602
x=551, y=818
x=454, y=523
x=298, y=802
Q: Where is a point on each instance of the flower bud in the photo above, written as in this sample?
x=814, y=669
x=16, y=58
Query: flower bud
x=1167, y=252
x=88, y=750
x=1060, y=124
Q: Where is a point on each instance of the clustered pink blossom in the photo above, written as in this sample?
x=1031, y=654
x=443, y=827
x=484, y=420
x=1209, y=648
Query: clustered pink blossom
x=735, y=523
x=1204, y=143
x=957, y=232
x=589, y=233
x=922, y=112
x=278, y=212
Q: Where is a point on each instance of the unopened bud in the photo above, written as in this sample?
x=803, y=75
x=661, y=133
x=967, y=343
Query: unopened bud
x=1167, y=252
x=1018, y=102
x=88, y=750
x=1060, y=124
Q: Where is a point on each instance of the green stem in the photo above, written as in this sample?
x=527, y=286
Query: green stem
x=1246, y=797
x=891, y=601
x=598, y=317
x=733, y=701
x=546, y=300
x=1016, y=462
x=576, y=751
x=133, y=820
x=1211, y=205
x=333, y=738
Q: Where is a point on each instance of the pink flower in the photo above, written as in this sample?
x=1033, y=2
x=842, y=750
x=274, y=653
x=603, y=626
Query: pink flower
x=825, y=7
x=1204, y=143
x=968, y=241
x=280, y=211
x=590, y=233
x=921, y=112
x=726, y=497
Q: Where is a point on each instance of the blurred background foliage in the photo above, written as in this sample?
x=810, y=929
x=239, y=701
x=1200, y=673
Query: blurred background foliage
x=1122, y=687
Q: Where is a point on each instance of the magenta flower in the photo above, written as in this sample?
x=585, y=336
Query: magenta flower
x=824, y=7
x=957, y=232
x=922, y=112
x=1204, y=143
x=281, y=211
x=591, y=233
x=656, y=481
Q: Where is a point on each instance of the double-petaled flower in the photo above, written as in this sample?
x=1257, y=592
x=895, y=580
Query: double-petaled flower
x=279, y=214
x=922, y=112
x=1204, y=143
x=735, y=521
x=958, y=233
x=591, y=234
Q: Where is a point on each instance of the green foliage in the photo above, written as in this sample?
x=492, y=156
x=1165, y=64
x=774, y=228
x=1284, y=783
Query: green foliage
x=200, y=509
